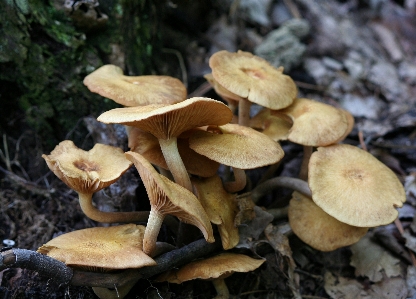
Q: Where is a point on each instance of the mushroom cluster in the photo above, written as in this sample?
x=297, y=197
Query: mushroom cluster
x=177, y=146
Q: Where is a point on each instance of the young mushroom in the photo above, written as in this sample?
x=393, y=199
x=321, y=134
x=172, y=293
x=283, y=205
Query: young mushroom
x=253, y=79
x=318, y=229
x=109, y=81
x=87, y=172
x=354, y=187
x=168, y=198
x=167, y=122
x=215, y=269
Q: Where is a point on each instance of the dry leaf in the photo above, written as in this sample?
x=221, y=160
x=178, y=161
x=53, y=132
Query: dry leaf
x=251, y=231
x=411, y=281
x=372, y=260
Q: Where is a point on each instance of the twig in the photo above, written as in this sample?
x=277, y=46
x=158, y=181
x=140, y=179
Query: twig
x=181, y=64
x=59, y=272
x=285, y=182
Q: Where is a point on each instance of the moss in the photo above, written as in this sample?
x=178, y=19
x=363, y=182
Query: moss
x=46, y=59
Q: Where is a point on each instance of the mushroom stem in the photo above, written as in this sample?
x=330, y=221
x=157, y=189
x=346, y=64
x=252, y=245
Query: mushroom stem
x=307, y=152
x=119, y=292
x=221, y=288
x=286, y=182
x=244, y=112
x=152, y=231
x=174, y=161
x=85, y=201
x=240, y=181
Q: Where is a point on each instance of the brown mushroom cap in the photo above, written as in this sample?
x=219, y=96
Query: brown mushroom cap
x=228, y=96
x=237, y=146
x=253, y=78
x=221, y=265
x=315, y=123
x=277, y=128
x=221, y=208
x=87, y=171
x=147, y=145
x=169, y=198
x=318, y=229
x=354, y=187
x=109, y=81
x=166, y=121
x=100, y=248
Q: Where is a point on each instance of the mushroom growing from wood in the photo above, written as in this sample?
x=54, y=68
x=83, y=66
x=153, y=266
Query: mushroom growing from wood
x=168, y=198
x=215, y=269
x=167, y=122
x=109, y=81
x=87, y=172
x=354, y=187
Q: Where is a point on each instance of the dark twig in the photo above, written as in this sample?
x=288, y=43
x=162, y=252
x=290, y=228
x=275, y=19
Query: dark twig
x=58, y=271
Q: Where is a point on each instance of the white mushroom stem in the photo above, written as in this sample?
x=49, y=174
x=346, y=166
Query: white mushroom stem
x=174, y=161
x=244, y=112
x=240, y=181
x=152, y=231
x=285, y=182
x=85, y=201
x=221, y=288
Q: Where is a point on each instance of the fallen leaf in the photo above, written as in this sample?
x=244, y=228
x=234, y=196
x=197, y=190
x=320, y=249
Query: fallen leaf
x=411, y=281
x=372, y=260
x=251, y=231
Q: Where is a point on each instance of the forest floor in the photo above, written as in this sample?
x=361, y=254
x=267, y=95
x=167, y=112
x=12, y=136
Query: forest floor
x=357, y=55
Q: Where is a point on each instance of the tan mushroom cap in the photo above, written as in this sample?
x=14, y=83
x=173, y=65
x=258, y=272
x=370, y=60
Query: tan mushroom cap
x=148, y=145
x=227, y=95
x=87, y=171
x=109, y=81
x=315, y=123
x=169, y=198
x=277, y=128
x=354, y=187
x=166, y=121
x=100, y=248
x=237, y=146
x=219, y=266
x=318, y=229
x=221, y=208
x=253, y=78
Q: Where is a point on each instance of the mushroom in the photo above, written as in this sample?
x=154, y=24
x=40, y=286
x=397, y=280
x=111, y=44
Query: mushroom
x=168, y=198
x=109, y=81
x=215, y=268
x=239, y=147
x=318, y=229
x=100, y=248
x=87, y=172
x=167, y=122
x=254, y=80
x=220, y=206
x=231, y=98
x=315, y=124
x=276, y=127
x=354, y=187
x=148, y=146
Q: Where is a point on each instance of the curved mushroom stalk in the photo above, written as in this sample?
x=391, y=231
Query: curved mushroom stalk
x=168, y=198
x=240, y=181
x=87, y=172
x=85, y=201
